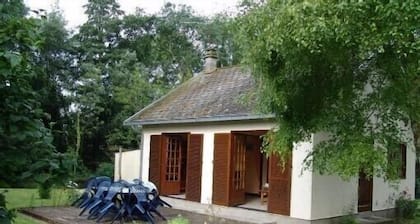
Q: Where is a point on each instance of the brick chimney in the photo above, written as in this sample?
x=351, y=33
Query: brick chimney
x=210, y=60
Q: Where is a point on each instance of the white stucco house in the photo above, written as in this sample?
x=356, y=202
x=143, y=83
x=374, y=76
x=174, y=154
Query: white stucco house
x=201, y=142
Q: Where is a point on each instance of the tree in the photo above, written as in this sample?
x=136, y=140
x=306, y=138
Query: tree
x=53, y=64
x=164, y=43
x=219, y=31
x=96, y=54
x=349, y=68
x=23, y=137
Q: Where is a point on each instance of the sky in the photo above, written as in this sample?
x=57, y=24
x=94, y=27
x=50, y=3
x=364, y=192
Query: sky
x=74, y=12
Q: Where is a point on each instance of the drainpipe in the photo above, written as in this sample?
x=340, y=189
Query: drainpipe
x=141, y=156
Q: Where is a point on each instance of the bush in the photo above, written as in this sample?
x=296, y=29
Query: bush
x=417, y=187
x=405, y=207
x=348, y=219
x=44, y=191
x=179, y=220
x=105, y=169
x=6, y=215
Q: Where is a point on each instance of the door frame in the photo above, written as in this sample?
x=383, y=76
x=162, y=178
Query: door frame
x=365, y=189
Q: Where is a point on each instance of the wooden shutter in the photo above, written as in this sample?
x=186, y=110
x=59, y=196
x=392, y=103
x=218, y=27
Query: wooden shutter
x=194, y=162
x=279, y=187
x=238, y=162
x=155, y=162
x=221, y=169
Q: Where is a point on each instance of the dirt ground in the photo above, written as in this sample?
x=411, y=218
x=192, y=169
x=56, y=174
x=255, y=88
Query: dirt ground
x=70, y=215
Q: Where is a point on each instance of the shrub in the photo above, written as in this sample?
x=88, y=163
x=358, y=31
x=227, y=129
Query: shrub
x=405, y=207
x=179, y=220
x=105, y=169
x=44, y=191
x=348, y=219
x=6, y=215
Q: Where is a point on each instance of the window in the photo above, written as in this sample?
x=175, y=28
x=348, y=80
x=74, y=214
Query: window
x=398, y=156
x=173, y=156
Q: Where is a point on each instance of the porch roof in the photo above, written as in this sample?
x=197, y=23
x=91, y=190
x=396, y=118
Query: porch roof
x=226, y=94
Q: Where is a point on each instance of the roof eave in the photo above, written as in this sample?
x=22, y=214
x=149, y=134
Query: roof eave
x=196, y=120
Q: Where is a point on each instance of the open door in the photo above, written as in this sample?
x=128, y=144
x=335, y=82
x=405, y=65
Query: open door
x=238, y=170
x=279, y=179
x=365, y=193
x=171, y=164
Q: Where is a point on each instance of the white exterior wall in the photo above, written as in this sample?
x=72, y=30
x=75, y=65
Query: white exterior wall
x=384, y=194
x=301, y=192
x=301, y=181
x=331, y=195
x=339, y=197
x=208, y=132
x=313, y=196
x=130, y=165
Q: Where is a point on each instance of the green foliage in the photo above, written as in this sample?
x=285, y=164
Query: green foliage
x=105, y=169
x=44, y=191
x=29, y=197
x=405, y=207
x=24, y=138
x=6, y=215
x=346, y=68
x=65, y=96
x=179, y=220
x=417, y=187
x=348, y=219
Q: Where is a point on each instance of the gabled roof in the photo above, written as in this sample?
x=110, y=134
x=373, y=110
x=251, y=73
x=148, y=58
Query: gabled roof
x=225, y=94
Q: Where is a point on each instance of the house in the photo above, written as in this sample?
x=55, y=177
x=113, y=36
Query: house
x=201, y=142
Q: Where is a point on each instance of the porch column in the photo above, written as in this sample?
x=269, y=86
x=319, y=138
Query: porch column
x=207, y=168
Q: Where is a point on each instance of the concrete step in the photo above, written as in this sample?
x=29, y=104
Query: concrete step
x=371, y=219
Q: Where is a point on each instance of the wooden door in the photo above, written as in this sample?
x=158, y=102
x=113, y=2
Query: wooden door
x=221, y=169
x=365, y=193
x=194, y=163
x=155, y=160
x=279, y=179
x=171, y=165
x=238, y=170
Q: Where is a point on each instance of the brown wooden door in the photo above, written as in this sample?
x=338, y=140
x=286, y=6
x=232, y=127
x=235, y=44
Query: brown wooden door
x=171, y=165
x=221, y=168
x=194, y=162
x=155, y=160
x=238, y=170
x=365, y=193
x=279, y=186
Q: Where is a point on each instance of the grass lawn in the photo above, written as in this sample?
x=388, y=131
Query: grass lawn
x=24, y=198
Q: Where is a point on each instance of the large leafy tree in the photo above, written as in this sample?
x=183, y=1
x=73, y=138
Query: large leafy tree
x=164, y=43
x=23, y=137
x=96, y=49
x=348, y=68
x=54, y=66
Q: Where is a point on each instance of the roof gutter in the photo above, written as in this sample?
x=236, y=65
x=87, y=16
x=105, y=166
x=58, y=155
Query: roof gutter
x=195, y=120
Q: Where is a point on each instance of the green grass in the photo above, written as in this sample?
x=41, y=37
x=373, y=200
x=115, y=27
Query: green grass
x=26, y=198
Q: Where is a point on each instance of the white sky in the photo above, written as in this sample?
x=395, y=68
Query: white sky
x=74, y=12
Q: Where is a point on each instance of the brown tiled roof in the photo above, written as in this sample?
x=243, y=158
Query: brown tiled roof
x=225, y=94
